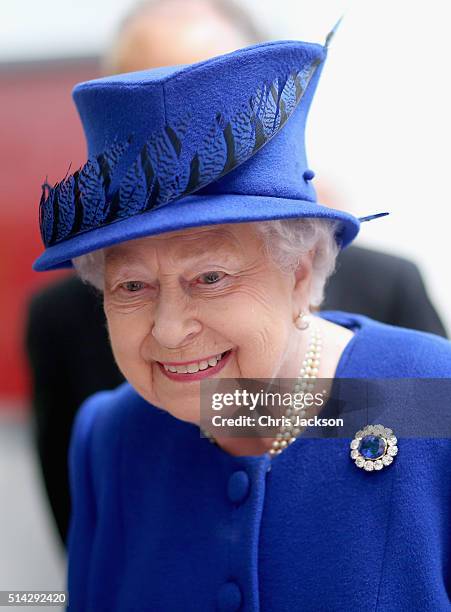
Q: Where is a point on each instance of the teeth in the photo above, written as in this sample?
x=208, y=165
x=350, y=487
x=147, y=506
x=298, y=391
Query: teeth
x=194, y=367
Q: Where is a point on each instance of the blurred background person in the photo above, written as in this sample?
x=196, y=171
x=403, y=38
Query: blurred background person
x=66, y=330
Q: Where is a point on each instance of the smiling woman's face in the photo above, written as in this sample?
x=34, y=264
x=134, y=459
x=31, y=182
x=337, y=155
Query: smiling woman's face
x=191, y=295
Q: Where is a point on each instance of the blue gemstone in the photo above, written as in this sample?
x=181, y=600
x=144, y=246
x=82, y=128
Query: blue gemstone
x=372, y=447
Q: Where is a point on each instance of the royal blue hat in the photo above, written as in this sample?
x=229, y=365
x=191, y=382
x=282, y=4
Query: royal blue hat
x=219, y=141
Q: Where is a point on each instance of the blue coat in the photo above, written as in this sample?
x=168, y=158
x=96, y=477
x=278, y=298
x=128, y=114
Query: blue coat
x=163, y=520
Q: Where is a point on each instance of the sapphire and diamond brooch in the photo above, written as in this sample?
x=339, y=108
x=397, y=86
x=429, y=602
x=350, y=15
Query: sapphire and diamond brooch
x=374, y=447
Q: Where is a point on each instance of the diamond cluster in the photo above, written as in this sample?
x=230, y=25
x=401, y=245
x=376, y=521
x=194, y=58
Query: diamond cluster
x=374, y=447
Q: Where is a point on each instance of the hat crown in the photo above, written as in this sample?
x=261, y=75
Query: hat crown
x=221, y=141
x=201, y=111
x=156, y=136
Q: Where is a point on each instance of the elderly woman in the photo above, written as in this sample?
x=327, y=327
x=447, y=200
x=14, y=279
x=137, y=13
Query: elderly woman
x=196, y=217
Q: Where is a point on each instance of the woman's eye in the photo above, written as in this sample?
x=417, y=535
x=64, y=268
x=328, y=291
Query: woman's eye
x=210, y=278
x=133, y=286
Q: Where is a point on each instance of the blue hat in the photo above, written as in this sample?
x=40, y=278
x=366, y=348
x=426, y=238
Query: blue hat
x=220, y=141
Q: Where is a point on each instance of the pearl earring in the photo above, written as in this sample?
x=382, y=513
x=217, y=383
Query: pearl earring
x=303, y=320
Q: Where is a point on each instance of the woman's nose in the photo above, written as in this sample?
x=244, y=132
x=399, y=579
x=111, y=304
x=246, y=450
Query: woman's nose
x=174, y=323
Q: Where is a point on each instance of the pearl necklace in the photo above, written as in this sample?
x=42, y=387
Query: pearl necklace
x=308, y=372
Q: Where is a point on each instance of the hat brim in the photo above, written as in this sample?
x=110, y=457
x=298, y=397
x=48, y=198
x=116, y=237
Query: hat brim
x=194, y=211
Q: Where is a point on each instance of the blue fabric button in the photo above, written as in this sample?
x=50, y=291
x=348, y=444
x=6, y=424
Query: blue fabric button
x=238, y=486
x=229, y=598
x=309, y=175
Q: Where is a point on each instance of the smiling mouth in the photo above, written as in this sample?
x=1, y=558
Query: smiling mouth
x=195, y=367
x=195, y=373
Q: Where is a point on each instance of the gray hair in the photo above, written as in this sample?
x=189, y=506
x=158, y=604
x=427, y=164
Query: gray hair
x=285, y=242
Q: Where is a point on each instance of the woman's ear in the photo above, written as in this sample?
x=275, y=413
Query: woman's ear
x=303, y=281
